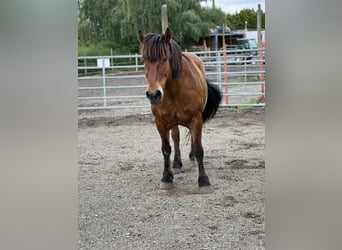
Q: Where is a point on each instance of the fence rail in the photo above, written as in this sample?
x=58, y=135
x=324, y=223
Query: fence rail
x=114, y=82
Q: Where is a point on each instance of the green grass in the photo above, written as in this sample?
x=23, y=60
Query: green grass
x=254, y=101
x=105, y=48
x=93, y=51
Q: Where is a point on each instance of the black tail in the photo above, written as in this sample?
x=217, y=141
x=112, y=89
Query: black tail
x=213, y=102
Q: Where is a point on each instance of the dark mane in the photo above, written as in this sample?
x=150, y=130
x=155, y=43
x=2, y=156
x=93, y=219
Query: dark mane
x=156, y=48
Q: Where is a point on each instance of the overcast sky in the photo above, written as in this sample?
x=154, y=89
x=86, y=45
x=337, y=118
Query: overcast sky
x=232, y=6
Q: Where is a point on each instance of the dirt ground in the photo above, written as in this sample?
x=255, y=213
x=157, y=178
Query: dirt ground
x=122, y=206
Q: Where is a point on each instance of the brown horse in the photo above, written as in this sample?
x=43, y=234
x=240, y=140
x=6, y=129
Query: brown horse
x=179, y=95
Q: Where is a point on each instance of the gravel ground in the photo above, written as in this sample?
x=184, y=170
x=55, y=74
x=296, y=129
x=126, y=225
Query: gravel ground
x=120, y=167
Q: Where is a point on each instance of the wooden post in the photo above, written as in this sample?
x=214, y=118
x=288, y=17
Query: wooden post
x=259, y=24
x=260, y=45
x=164, y=18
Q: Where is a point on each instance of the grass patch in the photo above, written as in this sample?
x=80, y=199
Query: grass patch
x=258, y=100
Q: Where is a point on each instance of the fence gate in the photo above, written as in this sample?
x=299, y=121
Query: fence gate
x=118, y=82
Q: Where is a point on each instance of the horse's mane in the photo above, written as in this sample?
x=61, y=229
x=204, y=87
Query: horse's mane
x=156, y=48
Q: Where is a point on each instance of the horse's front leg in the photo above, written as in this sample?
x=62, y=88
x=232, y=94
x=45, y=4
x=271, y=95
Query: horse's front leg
x=177, y=162
x=167, y=179
x=196, y=132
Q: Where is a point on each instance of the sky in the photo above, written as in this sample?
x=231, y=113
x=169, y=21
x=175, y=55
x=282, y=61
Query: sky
x=232, y=6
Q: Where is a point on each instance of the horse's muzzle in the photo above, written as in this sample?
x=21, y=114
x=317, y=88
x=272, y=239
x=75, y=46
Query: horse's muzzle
x=154, y=97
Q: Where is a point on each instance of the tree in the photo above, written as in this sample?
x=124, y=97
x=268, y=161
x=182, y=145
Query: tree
x=115, y=23
x=141, y=15
x=237, y=21
x=98, y=21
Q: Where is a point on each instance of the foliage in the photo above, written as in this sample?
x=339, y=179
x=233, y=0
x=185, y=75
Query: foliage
x=114, y=24
x=237, y=21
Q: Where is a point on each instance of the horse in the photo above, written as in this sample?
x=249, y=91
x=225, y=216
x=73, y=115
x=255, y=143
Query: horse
x=179, y=95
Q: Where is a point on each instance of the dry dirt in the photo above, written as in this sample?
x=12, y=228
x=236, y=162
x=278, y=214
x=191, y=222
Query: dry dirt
x=121, y=204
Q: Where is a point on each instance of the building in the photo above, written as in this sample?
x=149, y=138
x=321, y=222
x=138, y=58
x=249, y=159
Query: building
x=215, y=40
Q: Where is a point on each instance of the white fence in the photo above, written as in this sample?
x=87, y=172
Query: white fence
x=117, y=82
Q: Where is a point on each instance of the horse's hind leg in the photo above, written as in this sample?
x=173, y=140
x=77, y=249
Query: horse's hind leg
x=177, y=162
x=192, y=152
x=167, y=179
x=196, y=132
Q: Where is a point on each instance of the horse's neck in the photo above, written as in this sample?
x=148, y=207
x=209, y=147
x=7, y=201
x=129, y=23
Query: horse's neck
x=172, y=88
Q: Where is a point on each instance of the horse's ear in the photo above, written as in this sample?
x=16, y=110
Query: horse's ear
x=167, y=35
x=141, y=37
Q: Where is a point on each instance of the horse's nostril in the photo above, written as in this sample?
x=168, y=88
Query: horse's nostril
x=158, y=94
x=154, y=97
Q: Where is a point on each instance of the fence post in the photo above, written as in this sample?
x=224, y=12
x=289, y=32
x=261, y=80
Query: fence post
x=85, y=67
x=260, y=45
x=262, y=68
x=245, y=88
x=136, y=62
x=225, y=73
x=111, y=59
x=104, y=82
x=218, y=67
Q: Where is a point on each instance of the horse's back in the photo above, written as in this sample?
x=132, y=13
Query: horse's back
x=196, y=61
x=198, y=80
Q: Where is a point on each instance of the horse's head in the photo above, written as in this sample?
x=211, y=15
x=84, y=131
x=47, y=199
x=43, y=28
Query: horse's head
x=161, y=57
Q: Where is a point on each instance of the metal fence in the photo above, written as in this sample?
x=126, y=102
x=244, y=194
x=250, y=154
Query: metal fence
x=118, y=82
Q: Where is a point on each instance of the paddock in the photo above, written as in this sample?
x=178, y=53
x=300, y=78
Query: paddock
x=120, y=165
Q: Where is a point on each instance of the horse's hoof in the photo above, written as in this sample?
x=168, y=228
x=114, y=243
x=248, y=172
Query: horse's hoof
x=177, y=170
x=203, y=181
x=205, y=189
x=191, y=156
x=166, y=185
x=177, y=163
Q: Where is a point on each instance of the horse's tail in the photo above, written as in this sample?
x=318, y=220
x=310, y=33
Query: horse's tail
x=213, y=101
